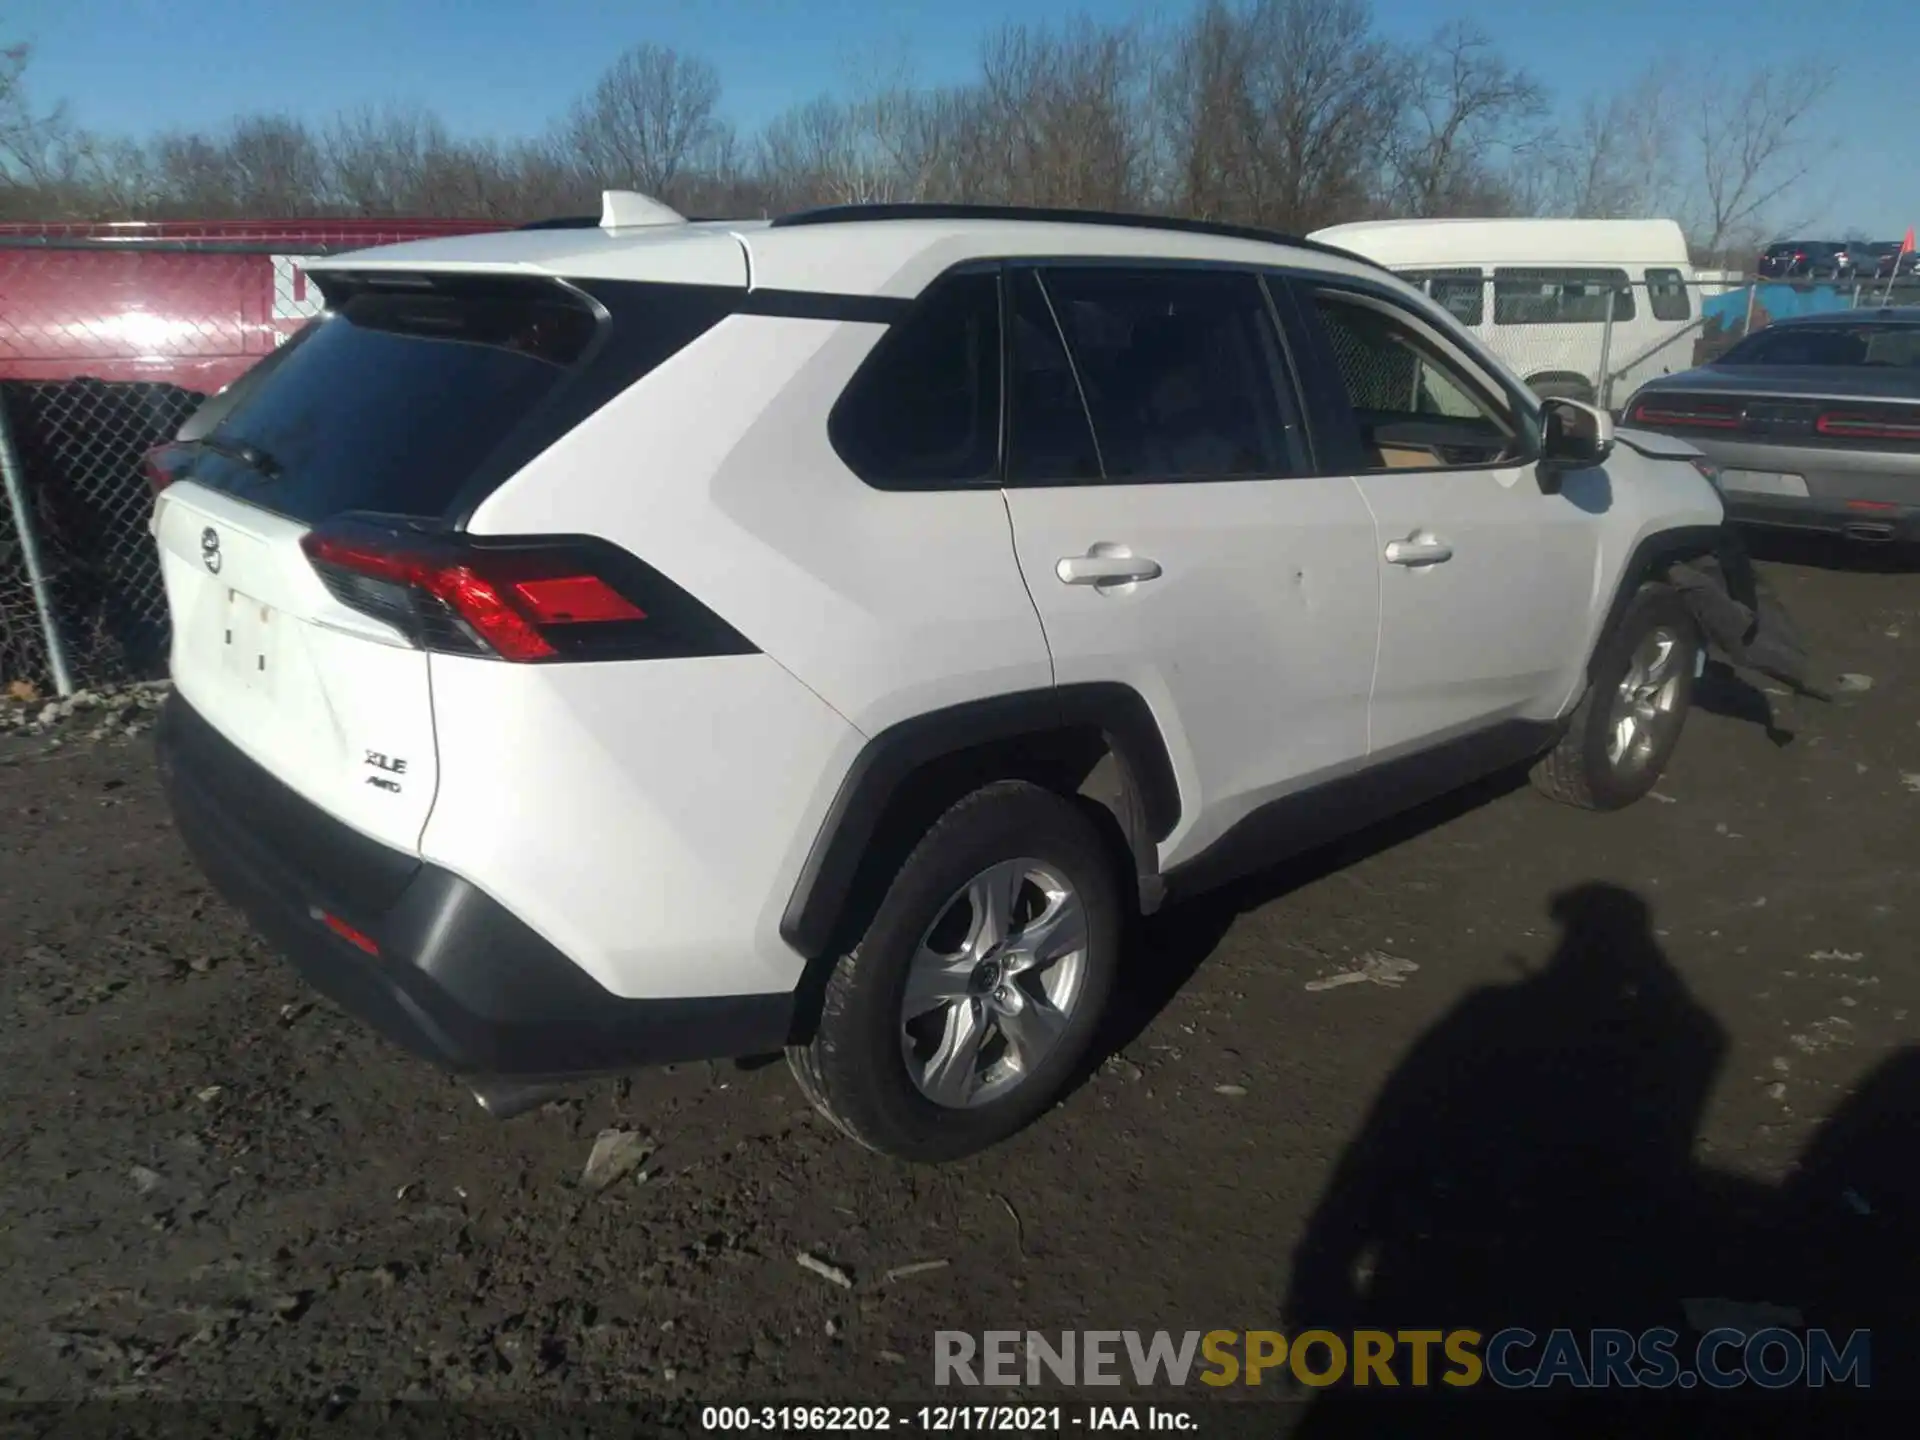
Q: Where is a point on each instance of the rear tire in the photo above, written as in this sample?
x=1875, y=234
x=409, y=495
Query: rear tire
x=972, y=997
x=1623, y=732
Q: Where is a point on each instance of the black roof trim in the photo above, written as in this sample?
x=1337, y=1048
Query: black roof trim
x=860, y=214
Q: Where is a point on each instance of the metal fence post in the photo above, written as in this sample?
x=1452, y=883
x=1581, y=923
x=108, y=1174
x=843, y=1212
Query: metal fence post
x=11, y=471
x=1603, y=382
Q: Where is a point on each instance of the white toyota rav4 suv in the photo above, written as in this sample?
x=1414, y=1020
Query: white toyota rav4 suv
x=639, y=640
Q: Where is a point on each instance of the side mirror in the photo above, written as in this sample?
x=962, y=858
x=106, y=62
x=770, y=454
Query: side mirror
x=1573, y=436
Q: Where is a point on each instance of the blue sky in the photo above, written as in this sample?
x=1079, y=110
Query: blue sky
x=497, y=67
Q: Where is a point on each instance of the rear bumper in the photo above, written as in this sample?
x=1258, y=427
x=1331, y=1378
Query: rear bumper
x=1826, y=517
x=1872, y=491
x=457, y=979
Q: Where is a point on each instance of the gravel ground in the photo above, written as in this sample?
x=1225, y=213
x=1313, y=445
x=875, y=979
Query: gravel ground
x=1502, y=1063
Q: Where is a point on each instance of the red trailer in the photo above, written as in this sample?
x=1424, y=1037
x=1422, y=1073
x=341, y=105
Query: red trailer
x=110, y=336
x=186, y=303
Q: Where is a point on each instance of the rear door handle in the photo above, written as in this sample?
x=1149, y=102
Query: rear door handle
x=1422, y=549
x=1106, y=565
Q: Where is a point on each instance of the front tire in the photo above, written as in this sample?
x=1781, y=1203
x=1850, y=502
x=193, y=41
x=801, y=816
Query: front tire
x=973, y=995
x=1622, y=734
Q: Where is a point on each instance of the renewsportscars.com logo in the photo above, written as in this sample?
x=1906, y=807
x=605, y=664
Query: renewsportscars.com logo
x=1513, y=1358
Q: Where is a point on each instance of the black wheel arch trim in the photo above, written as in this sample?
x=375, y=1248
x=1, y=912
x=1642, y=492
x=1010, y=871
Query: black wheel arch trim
x=1662, y=548
x=890, y=760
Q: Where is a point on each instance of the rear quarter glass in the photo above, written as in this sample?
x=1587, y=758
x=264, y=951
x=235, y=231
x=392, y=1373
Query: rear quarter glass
x=399, y=401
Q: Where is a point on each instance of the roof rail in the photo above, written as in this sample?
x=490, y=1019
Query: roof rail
x=850, y=214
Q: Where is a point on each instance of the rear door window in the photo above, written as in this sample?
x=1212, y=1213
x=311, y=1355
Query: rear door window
x=1049, y=437
x=1181, y=371
x=393, y=401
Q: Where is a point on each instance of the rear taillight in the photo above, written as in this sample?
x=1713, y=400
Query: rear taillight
x=1675, y=413
x=155, y=465
x=1848, y=425
x=522, y=600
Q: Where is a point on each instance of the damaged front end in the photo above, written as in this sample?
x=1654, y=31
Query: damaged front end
x=1742, y=618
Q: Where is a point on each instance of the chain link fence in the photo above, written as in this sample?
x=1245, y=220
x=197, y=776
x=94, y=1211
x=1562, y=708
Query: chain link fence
x=80, y=444
x=110, y=336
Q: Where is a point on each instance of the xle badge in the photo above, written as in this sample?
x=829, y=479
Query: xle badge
x=210, y=549
x=392, y=767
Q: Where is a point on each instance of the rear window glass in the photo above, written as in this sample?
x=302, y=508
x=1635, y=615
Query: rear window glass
x=1863, y=346
x=394, y=400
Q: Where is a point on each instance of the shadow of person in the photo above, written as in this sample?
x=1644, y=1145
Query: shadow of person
x=1529, y=1163
x=1845, y=1241
x=1724, y=691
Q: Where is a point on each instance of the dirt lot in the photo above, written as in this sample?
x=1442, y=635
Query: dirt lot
x=1590, y=1067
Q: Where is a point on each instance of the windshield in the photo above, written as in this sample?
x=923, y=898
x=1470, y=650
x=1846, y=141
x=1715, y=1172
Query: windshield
x=1861, y=346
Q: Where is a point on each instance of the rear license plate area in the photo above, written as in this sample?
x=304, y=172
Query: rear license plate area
x=1764, y=482
x=249, y=643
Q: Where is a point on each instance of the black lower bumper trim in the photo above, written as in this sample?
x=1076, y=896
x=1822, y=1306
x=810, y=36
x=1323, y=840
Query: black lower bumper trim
x=458, y=979
x=1826, y=517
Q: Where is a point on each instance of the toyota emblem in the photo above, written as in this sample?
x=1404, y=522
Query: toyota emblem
x=210, y=548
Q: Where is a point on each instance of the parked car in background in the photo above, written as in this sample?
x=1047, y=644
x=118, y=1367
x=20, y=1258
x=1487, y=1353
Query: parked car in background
x=1538, y=293
x=1818, y=260
x=1891, y=260
x=1813, y=421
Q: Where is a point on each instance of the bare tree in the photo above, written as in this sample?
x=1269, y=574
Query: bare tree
x=1060, y=117
x=1324, y=93
x=1469, y=111
x=648, y=121
x=1622, y=160
x=1281, y=114
x=263, y=165
x=1290, y=113
x=814, y=155
x=1752, y=138
x=379, y=160
x=47, y=165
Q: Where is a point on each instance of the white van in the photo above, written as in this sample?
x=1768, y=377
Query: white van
x=1550, y=281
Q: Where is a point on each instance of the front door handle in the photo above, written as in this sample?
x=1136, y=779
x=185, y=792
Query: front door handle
x=1106, y=565
x=1422, y=549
